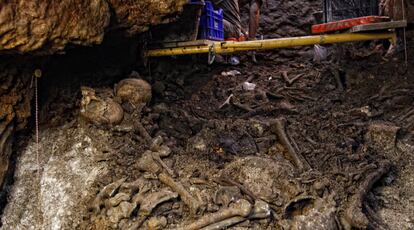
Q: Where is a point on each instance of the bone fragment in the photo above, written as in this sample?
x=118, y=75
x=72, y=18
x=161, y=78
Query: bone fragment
x=157, y=158
x=241, y=208
x=354, y=214
x=187, y=198
x=149, y=203
x=225, y=223
x=140, y=196
x=156, y=143
x=147, y=163
x=154, y=199
x=116, y=200
x=122, y=211
x=107, y=191
x=132, y=187
x=279, y=126
x=157, y=223
x=261, y=210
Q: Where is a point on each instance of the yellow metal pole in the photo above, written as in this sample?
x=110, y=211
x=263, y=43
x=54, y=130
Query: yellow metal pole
x=231, y=47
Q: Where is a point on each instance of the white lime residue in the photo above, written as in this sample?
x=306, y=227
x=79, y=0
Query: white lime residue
x=66, y=183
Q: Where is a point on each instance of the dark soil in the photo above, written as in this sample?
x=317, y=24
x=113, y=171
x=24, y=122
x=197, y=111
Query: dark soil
x=328, y=110
x=325, y=122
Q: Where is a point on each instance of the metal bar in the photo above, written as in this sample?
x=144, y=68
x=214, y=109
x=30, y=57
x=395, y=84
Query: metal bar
x=232, y=47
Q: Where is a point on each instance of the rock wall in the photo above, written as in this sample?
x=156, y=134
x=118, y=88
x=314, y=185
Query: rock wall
x=46, y=26
x=57, y=198
x=137, y=15
x=15, y=97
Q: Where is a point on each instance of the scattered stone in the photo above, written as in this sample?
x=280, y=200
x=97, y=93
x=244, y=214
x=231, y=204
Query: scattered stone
x=382, y=137
x=364, y=112
x=231, y=73
x=321, y=216
x=261, y=210
x=249, y=86
x=269, y=179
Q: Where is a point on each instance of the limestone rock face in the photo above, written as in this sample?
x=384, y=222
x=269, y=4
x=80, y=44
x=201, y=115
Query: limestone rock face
x=15, y=96
x=27, y=26
x=138, y=15
x=46, y=26
x=57, y=196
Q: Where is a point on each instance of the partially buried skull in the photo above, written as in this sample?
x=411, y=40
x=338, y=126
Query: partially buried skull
x=134, y=91
x=99, y=111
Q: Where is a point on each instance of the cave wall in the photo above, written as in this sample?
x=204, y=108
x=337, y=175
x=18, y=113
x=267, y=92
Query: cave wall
x=15, y=98
x=47, y=26
x=138, y=15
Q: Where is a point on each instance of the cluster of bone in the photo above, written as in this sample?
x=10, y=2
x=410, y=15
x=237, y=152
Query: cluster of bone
x=118, y=201
x=129, y=205
x=107, y=111
x=151, y=162
x=237, y=212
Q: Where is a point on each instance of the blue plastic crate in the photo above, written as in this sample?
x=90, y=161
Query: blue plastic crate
x=211, y=23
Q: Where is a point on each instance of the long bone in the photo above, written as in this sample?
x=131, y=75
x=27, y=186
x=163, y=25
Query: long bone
x=242, y=208
x=261, y=210
x=149, y=203
x=149, y=164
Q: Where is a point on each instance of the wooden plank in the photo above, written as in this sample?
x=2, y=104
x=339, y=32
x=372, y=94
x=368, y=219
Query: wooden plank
x=378, y=26
x=346, y=24
x=182, y=44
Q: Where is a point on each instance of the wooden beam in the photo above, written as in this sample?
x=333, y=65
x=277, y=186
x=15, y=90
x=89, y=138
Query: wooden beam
x=378, y=26
x=182, y=44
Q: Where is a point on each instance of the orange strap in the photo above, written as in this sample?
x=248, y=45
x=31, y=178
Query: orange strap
x=239, y=39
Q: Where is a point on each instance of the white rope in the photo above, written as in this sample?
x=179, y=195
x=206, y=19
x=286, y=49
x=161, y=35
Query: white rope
x=37, y=125
x=37, y=74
